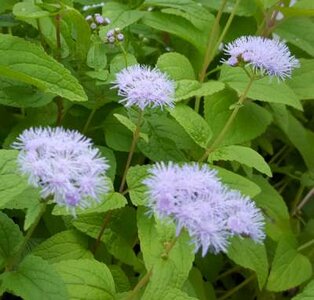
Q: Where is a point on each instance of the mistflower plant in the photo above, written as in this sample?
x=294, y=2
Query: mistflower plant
x=267, y=56
x=63, y=164
x=143, y=86
x=196, y=200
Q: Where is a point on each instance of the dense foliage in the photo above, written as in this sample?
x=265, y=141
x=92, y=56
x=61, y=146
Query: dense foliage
x=241, y=112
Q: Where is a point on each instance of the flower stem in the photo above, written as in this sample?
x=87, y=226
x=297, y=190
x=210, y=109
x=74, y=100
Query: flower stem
x=125, y=55
x=237, y=288
x=17, y=254
x=139, y=285
x=101, y=232
x=306, y=245
x=303, y=202
x=136, y=135
x=89, y=119
x=229, y=122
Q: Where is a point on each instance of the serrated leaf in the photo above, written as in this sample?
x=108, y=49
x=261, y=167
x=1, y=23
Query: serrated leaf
x=13, y=186
x=64, y=245
x=96, y=57
x=23, y=61
x=243, y=155
x=86, y=279
x=193, y=124
x=10, y=238
x=34, y=279
x=192, y=88
x=238, y=182
x=248, y=254
x=264, y=89
x=176, y=65
x=251, y=121
x=289, y=268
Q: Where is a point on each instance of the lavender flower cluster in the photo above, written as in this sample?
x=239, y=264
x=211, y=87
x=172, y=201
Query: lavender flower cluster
x=63, y=164
x=267, y=56
x=195, y=198
x=144, y=87
x=114, y=36
x=96, y=20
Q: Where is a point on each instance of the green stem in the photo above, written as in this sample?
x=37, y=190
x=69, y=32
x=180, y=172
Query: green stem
x=297, y=198
x=17, y=255
x=136, y=136
x=228, y=272
x=229, y=122
x=101, y=232
x=125, y=55
x=237, y=288
x=139, y=285
x=89, y=119
x=306, y=245
x=303, y=202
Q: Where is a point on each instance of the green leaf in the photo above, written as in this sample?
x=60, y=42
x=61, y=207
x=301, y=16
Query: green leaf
x=107, y=202
x=34, y=208
x=136, y=188
x=10, y=238
x=264, y=89
x=289, y=268
x=96, y=57
x=302, y=79
x=64, y=245
x=34, y=279
x=243, y=155
x=238, y=182
x=307, y=293
x=193, y=124
x=118, y=63
x=176, y=65
x=299, y=136
x=248, y=254
x=178, y=26
x=168, y=271
x=298, y=31
x=23, y=61
x=13, y=186
x=173, y=294
x=87, y=279
x=192, y=88
x=252, y=120
x=29, y=10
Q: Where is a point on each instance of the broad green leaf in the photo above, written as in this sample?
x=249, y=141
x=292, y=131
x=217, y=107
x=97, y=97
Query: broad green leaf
x=193, y=124
x=29, y=10
x=187, y=9
x=289, y=268
x=120, y=278
x=86, y=279
x=178, y=26
x=299, y=136
x=13, y=186
x=34, y=209
x=298, y=31
x=168, y=271
x=264, y=89
x=307, y=293
x=116, y=243
x=6, y=5
x=238, y=182
x=119, y=62
x=34, y=279
x=10, y=238
x=130, y=125
x=192, y=88
x=248, y=254
x=96, y=57
x=252, y=120
x=64, y=245
x=107, y=202
x=176, y=65
x=136, y=188
x=274, y=207
x=173, y=294
x=243, y=155
x=302, y=80
x=23, y=61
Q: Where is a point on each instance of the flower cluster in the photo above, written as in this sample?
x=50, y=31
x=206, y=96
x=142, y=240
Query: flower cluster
x=196, y=199
x=96, y=20
x=63, y=164
x=144, y=87
x=267, y=56
x=114, y=36
x=92, y=6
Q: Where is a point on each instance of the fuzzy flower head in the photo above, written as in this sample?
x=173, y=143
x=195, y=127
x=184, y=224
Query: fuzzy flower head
x=197, y=201
x=63, y=164
x=267, y=56
x=143, y=87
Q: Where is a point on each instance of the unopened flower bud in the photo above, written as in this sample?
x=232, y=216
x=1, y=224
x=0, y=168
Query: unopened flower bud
x=120, y=37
